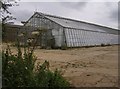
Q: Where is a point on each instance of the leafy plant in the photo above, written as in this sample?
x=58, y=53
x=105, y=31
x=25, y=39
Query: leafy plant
x=19, y=70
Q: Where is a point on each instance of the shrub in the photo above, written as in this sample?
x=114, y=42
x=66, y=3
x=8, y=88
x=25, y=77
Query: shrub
x=19, y=70
x=102, y=45
x=108, y=44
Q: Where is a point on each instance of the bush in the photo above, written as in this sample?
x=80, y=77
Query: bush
x=102, y=45
x=108, y=44
x=19, y=70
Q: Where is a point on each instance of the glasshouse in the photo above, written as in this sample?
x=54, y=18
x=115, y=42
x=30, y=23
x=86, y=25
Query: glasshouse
x=59, y=31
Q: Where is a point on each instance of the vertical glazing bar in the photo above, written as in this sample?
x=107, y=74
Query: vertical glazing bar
x=80, y=38
x=72, y=41
x=74, y=32
x=84, y=38
x=67, y=37
x=64, y=38
x=73, y=37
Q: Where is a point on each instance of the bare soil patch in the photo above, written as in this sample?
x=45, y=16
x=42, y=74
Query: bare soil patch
x=85, y=67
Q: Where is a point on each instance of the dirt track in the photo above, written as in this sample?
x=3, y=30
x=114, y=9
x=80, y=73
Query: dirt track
x=85, y=67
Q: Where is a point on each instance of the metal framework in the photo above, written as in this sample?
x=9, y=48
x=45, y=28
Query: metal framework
x=71, y=33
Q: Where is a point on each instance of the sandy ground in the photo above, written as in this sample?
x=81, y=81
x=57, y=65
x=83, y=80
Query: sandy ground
x=85, y=67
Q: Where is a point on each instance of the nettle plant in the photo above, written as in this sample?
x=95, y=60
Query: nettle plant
x=20, y=70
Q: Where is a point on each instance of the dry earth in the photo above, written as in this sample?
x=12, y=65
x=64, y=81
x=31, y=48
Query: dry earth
x=85, y=67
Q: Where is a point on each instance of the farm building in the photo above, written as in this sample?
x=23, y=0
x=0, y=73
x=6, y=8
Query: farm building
x=11, y=32
x=70, y=33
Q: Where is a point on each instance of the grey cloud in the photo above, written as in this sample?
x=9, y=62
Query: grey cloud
x=74, y=5
x=114, y=15
x=23, y=15
x=109, y=4
x=119, y=15
x=113, y=11
x=77, y=10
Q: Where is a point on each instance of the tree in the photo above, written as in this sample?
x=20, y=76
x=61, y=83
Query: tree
x=5, y=14
x=4, y=6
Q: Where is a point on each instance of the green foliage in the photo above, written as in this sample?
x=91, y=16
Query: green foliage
x=19, y=70
x=0, y=67
x=0, y=31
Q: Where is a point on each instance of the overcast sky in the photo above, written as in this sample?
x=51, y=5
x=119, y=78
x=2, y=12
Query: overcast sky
x=103, y=13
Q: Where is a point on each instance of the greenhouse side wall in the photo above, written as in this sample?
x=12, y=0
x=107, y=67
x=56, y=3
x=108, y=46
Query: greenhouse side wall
x=77, y=38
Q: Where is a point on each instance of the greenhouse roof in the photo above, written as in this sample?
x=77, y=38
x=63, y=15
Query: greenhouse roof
x=76, y=24
x=71, y=23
